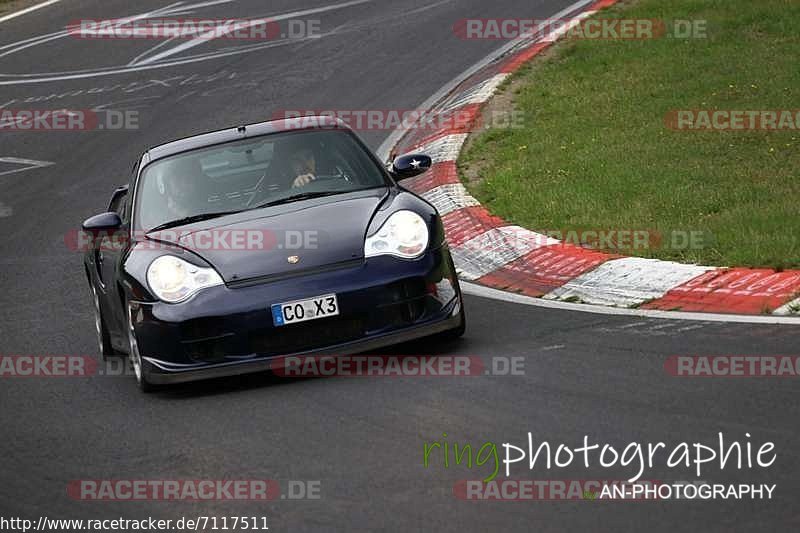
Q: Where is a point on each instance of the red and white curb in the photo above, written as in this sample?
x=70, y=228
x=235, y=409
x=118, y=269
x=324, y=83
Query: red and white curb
x=490, y=252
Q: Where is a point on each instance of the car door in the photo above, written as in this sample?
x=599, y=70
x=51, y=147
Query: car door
x=108, y=254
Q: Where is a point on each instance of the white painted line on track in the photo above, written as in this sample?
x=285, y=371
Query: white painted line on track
x=204, y=38
x=388, y=144
x=172, y=9
x=28, y=164
x=496, y=294
x=27, y=10
x=553, y=347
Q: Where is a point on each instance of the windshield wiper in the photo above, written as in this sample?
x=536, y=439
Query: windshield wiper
x=208, y=216
x=192, y=219
x=299, y=197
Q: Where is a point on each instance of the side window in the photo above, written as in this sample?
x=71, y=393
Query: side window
x=116, y=203
x=123, y=208
x=119, y=204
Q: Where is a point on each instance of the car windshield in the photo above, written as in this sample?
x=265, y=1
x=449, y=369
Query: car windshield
x=251, y=174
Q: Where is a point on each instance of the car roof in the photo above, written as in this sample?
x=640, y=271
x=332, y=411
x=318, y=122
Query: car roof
x=243, y=132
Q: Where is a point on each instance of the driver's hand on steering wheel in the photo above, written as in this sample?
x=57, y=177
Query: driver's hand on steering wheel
x=302, y=181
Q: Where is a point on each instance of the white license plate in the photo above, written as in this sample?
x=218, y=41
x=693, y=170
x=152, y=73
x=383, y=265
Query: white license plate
x=305, y=310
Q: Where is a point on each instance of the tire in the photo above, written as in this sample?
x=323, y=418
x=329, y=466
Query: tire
x=103, y=336
x=135, y=357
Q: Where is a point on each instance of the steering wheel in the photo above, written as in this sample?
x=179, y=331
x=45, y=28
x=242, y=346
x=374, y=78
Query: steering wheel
x=341, y=174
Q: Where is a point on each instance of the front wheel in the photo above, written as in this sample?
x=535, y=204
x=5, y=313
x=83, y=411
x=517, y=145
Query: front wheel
x=135, y=357
x=103, y=336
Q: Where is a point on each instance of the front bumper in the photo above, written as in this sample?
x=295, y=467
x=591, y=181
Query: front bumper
x=226, y=331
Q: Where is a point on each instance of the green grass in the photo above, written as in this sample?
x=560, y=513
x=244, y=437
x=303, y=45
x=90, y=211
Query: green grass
x=594, y=152
x=5, y=5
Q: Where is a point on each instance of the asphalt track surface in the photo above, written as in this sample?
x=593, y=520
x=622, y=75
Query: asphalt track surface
x=362, y=439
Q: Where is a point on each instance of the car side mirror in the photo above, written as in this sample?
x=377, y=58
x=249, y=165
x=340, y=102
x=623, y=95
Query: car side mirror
x=410, y=165
x=104, y=222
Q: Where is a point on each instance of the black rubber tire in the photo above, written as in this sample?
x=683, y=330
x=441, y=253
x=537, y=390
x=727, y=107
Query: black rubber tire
x=106, y=349
x=133, y=357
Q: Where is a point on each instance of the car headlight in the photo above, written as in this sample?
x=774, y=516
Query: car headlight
x=174, y=280
x=404, y=235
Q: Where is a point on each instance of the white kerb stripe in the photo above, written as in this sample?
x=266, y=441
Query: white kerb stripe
x=449, y=197
x=494, y=249
x=444, y=148
x=475, y=95
x=562, y=30
x=792, y=308
x=627, y=282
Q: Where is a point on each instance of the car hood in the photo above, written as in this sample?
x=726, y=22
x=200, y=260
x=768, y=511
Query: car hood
x=282, y=240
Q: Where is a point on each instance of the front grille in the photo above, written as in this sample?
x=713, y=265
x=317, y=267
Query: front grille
x=405, y=304
x=213, y=350
x=208, y=340
x=271, y=278
x=397, y=305
x=306, y=335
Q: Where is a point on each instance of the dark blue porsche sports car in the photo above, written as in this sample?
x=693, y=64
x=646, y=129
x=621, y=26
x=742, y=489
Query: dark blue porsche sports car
x=230, y=249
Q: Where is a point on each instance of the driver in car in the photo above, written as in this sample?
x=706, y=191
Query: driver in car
x=303, y=165
x=179, y=188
